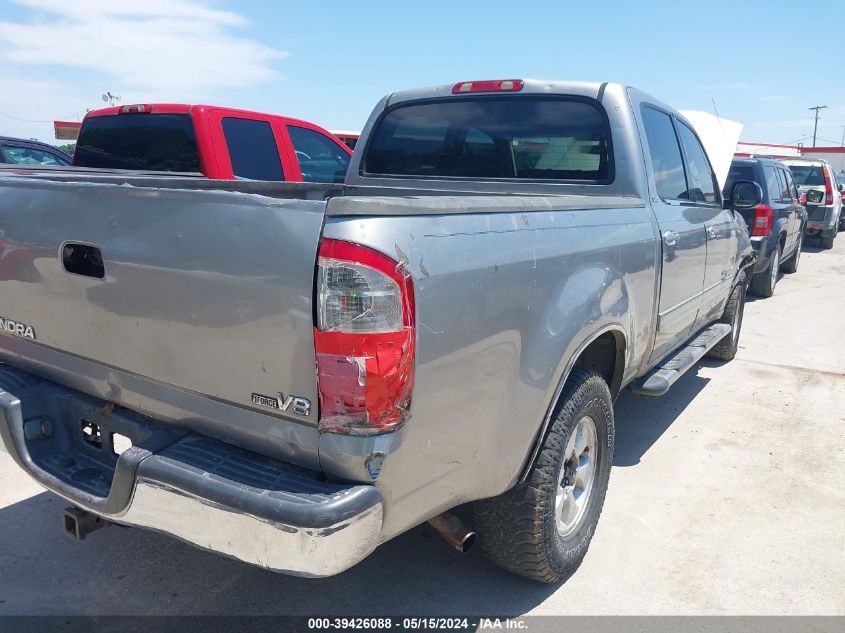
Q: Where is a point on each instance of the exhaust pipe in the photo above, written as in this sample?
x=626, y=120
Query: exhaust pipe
x=453, y=531
x=78, y=523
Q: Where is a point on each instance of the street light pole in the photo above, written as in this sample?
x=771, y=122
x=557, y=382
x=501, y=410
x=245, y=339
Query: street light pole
x=816, y=124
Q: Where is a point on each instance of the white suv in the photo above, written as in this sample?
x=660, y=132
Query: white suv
x=824, y=203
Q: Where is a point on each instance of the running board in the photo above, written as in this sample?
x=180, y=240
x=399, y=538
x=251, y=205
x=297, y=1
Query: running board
x=658, y=380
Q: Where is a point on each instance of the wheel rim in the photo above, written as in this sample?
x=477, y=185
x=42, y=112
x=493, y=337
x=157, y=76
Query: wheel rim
x=576, y=477
x=775, y=266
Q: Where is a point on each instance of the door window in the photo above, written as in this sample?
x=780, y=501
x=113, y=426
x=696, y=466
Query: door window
x=702, y=180
x=772, y=183
x=665, y=154
x=29, y=156
x=320, y=158
x=790, y=185
x=252, y=149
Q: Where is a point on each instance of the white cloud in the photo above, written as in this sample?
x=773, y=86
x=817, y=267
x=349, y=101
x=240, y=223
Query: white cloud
x=148, y=49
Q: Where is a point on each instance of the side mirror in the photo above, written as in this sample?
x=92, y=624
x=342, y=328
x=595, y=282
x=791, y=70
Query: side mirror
x=814, y=196
x=746, y=194
x=841, y=187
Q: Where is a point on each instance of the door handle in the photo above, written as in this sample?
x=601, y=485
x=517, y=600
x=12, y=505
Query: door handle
x=670, y=238
x=712, y=233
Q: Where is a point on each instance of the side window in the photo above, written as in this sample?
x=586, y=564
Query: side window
x=790, y=185
x=702, y=180
x=29, y=156
x=320, y=158
x=785, y=191
x=252, y=149
x=772, y=183
x=665, y=153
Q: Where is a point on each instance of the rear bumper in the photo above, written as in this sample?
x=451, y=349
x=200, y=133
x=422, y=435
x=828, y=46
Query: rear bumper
x=821, y=218
x=208, y=493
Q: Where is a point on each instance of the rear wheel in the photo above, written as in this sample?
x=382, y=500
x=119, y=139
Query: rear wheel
x=791, y=265
x=734, y=311
x=763, y=283
x=541, y=529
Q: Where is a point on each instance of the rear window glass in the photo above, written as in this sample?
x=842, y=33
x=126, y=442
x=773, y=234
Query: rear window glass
x=158, y=142
x=493, y=137
x=738, y=172
x=809, y=175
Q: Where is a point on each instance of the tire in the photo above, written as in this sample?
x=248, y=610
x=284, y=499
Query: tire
x=763, y=283
x=790, y=266
x=519, y=530
x=734, y=311
x=827, y=240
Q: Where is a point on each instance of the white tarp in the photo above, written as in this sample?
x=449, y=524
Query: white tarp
x=719, y=137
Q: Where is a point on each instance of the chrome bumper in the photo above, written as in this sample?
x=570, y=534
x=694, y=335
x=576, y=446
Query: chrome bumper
x=299, y=551
x=202, y=491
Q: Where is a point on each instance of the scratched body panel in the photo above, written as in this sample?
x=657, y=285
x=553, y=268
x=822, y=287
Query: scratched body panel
x=502, y=300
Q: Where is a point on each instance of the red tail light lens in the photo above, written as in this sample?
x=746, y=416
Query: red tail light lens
x=497, y=85
x=762, y=220
x=364, y=339
x=828, y=187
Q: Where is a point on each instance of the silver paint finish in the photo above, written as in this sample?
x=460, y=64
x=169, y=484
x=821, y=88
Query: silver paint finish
x=206, y=293
x=503, y=303
x=509, y=290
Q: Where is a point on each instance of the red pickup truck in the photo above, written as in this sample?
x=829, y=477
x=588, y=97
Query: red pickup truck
x=220, y=143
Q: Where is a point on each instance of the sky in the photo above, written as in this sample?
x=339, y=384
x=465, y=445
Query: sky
x=330, y=61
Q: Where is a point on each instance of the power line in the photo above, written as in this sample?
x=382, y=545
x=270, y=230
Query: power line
x=15, y=118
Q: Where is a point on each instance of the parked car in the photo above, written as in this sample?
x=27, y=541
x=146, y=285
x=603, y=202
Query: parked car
x=302, y=379
x=220, y=143
x=20, y=151
x=824, y=207
x=776, y=225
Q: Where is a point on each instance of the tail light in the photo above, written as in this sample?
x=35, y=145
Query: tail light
x=762, y=220
x=828, y=187
x=364, y=339
x=139, y=108
x=496, y=85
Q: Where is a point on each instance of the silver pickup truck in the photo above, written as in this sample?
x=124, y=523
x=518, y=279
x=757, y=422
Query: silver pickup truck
x=291, y=374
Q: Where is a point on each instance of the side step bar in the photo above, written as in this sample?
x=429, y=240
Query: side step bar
x=658, y=381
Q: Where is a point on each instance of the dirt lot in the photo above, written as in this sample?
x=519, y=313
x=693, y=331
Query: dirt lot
x=726, y=497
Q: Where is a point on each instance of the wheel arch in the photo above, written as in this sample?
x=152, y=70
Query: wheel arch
x=604, y=352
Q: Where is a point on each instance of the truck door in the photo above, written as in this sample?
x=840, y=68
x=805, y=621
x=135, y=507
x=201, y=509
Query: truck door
x=720, y=228
x=683, y=238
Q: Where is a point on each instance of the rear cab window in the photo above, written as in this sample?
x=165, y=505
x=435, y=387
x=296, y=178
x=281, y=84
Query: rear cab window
x=252, y=149
x=145, y=141
x=493, y=138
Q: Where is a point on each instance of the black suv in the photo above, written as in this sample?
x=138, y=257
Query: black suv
x=775, y=218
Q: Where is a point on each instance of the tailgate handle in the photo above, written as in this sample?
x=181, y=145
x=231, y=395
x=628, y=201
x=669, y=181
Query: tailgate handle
x=83, y=259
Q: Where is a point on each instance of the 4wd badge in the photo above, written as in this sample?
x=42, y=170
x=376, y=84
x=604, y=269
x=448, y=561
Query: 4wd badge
x=17, y=328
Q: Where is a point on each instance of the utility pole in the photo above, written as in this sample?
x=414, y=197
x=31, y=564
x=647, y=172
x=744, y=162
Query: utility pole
x=842, y=144
x=816, y=125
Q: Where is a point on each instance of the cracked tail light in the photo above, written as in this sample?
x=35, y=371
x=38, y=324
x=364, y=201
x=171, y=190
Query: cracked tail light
x=363, y=339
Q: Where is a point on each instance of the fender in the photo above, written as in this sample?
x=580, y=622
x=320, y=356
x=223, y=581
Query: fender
x=619, y=332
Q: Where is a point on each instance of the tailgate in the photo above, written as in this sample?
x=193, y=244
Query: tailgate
x=206, y=291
